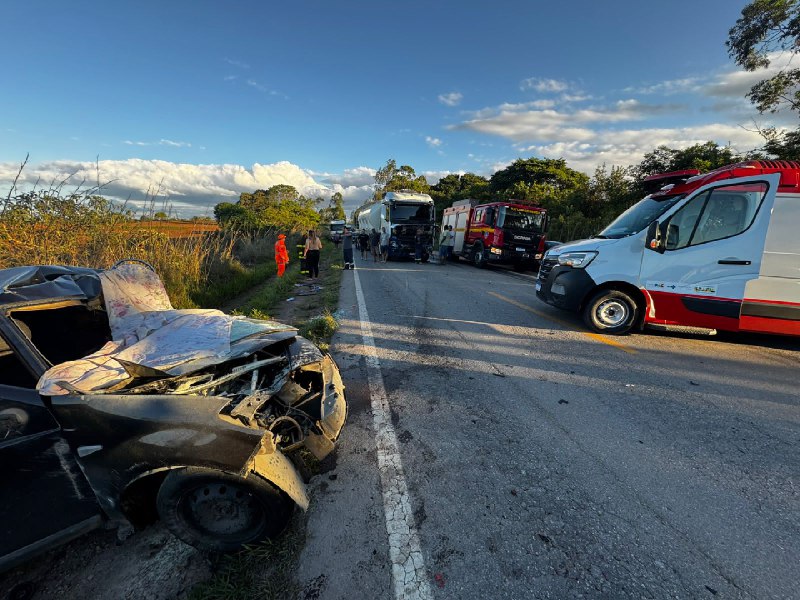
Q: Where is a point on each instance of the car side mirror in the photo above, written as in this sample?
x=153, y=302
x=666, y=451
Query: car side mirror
x=673, y=235
x=655, y=238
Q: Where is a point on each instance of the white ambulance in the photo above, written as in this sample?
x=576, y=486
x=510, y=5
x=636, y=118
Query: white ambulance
x=715, y=251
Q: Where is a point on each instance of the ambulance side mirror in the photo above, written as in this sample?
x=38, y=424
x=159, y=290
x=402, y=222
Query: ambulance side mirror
x=655, y=238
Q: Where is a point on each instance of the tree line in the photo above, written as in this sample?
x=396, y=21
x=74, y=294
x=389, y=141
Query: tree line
x=579, y=205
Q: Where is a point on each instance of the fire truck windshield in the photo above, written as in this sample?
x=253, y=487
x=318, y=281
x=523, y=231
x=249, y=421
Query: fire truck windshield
x=411, y=213
x=509, y=218
x=638, y=216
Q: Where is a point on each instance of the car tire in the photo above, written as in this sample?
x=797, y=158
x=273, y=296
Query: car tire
x=221, y=512
x=611, y=311
x=478, y=257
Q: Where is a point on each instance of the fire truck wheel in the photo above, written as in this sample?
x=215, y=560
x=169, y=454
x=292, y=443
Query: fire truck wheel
x=611, y=311
x=478, y=258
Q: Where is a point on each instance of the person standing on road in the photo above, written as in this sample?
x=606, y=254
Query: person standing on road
x=313, y=246
x=446, y=243
x=347, y=249
x=375, y=243
x=363, y=244
x=281, y=255
x=384, y=244
x=419, y=245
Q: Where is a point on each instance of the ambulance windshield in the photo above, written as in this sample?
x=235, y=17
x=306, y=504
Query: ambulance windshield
x=639, y=216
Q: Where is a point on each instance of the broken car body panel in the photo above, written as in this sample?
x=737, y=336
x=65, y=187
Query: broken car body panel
x=140, y=389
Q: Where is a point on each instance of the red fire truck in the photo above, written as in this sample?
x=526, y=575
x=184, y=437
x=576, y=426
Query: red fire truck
x=498, y=232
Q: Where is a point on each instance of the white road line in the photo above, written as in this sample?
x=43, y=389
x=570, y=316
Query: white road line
x=408, y=567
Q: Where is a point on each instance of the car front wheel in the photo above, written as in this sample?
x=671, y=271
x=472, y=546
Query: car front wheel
x=611, y=311
x=221, y=512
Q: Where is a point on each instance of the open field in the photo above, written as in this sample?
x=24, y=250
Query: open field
x=176, y=229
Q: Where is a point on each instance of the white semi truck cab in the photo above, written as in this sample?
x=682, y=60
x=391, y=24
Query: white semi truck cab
x=715, y=251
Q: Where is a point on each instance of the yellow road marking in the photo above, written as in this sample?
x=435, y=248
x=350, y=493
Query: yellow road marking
x=595, y=336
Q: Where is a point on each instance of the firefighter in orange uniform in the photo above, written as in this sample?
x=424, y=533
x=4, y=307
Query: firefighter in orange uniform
x=281, y=255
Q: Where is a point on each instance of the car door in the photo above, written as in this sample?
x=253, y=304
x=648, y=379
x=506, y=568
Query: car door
x=713, y=247
x=44, y=498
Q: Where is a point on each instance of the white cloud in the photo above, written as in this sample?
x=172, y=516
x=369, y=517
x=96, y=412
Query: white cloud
x=433, y=177
x=575, y=97
x=359, y=176
x=432, y=141
x=230, y=77
x=237, y=63
x=191, y=188
x=667, y=88
x=628, y=146
x=451, y=99
x=518, y=123
x=161, y=142
x=544, y=85
x=174, y=144
x=254, y=84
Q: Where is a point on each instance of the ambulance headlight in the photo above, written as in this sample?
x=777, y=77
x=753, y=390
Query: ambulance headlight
x=576, y=260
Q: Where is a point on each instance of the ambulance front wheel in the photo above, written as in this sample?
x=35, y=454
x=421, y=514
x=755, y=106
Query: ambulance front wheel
x=612, y=312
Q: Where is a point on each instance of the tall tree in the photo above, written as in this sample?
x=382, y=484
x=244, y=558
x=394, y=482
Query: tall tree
x=454, y=187
x=543, y=181
x=765, y=28
x=335, y=209
x=390, y=178
x=704, y=157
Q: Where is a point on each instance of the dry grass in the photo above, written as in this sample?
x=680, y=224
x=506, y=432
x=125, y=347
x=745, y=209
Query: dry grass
x=86, y=230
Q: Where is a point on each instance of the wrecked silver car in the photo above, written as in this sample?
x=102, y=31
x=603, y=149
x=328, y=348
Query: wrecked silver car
x=114, y=405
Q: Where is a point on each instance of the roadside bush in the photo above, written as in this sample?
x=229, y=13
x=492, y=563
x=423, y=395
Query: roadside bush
x=252, y=249
x=320, y=329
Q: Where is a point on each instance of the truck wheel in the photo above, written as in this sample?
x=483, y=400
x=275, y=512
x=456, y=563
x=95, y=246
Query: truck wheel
x=611, y=311
x=218, y=511
x=478, y=258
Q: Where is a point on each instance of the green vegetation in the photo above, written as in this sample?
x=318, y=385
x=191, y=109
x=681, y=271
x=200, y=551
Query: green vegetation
x=334, y=210
x=265, y=570
x=769, y=29
x=279, y=208
x=579, y=205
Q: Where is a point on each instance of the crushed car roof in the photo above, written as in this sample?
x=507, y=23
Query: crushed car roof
x=29, y=284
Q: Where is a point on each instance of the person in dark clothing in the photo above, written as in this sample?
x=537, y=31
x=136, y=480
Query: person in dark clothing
x=375, y=242
x=313, y=246
x=419, y=245
x=363, y=244
x=347, y=249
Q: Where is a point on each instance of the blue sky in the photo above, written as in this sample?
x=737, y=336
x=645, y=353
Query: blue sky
x=198, y=101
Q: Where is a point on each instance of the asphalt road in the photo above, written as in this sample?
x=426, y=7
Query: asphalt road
x=543, y=462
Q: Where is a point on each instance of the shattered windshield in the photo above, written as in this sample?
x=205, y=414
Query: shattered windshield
x=411, y=213
x=638, y=216
x=520, y=219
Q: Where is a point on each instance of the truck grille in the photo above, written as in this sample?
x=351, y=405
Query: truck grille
x=547, y=266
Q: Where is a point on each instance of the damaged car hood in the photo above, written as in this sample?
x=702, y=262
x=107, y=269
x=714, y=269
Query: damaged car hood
x=149, y=337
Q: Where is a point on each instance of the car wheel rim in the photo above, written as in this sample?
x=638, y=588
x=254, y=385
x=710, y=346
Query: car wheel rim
x=612, y=313
x=224, y=509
